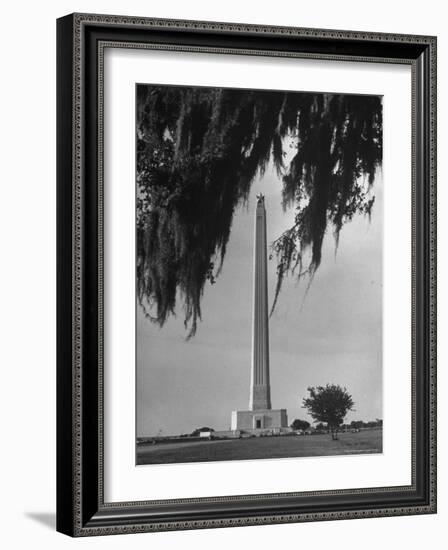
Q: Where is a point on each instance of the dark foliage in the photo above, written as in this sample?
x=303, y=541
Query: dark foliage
x=328, y=404
x=300, y=424
x=198, y=151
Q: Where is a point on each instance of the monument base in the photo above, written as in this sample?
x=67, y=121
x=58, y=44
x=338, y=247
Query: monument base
x=267, y=420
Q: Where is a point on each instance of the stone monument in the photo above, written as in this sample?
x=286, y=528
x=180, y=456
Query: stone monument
x=260, y=417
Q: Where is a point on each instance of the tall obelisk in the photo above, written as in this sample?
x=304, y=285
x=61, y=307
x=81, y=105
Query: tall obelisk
x=260, y=418
x=260, y=390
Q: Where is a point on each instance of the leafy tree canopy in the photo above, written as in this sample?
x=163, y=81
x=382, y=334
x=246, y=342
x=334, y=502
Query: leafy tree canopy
x=300, y=424
x=328, y=404
x=198, y=152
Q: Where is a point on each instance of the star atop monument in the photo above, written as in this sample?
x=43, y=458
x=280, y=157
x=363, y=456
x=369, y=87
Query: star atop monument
x=260, y=198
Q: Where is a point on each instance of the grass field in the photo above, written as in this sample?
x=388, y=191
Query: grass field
x=364, y=442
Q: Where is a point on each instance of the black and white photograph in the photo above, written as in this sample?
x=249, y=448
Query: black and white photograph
x=222, y=236
x=259, y=230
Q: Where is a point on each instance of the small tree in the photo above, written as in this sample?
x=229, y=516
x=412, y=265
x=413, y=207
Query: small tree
x=300, y=424
x=329, y=404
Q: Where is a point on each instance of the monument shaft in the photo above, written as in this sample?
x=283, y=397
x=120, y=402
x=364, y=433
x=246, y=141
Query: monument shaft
x=260, y=391
x=260, y=418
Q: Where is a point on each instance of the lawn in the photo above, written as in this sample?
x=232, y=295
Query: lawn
x=364, y=442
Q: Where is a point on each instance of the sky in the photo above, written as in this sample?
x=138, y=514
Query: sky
x=327, y=332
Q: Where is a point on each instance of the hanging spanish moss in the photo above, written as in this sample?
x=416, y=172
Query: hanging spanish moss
x=198, y=152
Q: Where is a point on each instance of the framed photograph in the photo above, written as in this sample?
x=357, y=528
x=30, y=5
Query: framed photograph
x=246, y=274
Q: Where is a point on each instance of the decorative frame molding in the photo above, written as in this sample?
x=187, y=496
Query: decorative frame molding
x=81, y=42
